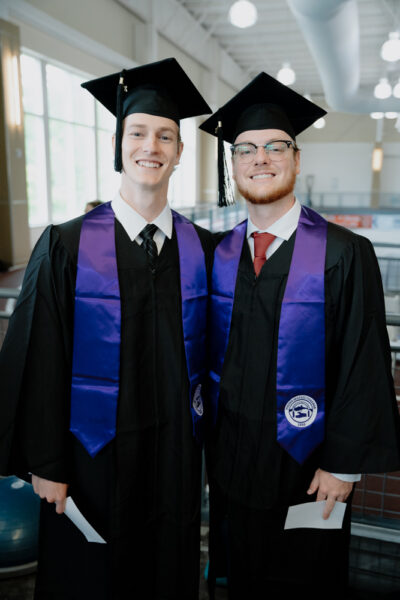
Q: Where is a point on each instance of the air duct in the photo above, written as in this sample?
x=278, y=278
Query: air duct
x=331, y=31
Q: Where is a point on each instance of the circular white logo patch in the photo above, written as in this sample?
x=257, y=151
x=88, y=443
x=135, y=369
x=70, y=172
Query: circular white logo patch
x=197, y=401
x=301, y=411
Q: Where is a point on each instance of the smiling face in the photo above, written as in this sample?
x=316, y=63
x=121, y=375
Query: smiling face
x=150, y=151
x=264, y=181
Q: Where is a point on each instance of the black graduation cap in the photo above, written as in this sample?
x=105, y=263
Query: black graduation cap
x=161, y=88
x=264, y=103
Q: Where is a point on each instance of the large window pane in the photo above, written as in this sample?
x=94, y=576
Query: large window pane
x=73, y=121
x=73, y=169
x=66, y=99
x=32, y=92
x=182, y=187
x=85, y=166
x=59, y=96
x=36, y=170
x=83, y=102
x=109, y=180
x=105, y=119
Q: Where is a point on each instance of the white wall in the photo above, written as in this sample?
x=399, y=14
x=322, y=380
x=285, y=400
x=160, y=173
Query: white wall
x=390, y=176
x=336, y=166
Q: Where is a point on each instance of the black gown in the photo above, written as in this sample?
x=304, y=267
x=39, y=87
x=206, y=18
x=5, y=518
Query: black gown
x=142, y=491
x=252, y=479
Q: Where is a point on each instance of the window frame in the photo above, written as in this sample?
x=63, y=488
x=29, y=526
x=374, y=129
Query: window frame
x=95, y=128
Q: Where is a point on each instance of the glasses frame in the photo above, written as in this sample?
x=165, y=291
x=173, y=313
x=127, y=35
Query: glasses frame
x=288, y=143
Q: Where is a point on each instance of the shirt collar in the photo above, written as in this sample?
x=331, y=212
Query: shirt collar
x=283, y=227
x=133, y=222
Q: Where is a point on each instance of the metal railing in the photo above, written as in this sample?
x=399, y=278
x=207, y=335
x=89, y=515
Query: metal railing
x=367, y=200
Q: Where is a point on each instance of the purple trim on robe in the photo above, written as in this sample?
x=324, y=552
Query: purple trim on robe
x=224, y=275
x=302, y=327
x=97, y=333
x=97, y=327
x=194, y=293
x=301, y=342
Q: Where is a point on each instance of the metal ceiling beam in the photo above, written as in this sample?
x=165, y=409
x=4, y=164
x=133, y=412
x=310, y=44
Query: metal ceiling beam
x=193, y=42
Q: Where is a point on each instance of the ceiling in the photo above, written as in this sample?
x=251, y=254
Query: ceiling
x=277, y=37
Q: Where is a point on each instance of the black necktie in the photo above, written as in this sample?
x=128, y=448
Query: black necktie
x=149, y=244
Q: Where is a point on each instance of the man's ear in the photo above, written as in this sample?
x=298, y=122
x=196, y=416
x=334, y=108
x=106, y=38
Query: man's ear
x=179, y=153
x=233, y=169
x=297, y=161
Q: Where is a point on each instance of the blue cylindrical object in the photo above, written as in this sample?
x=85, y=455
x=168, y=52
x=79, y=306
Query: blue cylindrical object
x=19, y=523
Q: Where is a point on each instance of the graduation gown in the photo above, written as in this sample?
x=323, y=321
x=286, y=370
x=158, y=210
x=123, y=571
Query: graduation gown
x=142, y=491
x=252, y=479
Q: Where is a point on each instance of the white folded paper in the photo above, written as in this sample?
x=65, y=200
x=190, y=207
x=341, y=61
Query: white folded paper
x=310, y=515
x=77, y=518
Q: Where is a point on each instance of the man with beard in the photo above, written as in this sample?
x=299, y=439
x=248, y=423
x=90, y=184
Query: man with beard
x=301, y=387
x=103, y=363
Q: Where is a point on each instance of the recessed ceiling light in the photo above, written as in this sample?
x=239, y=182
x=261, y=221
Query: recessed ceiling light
x=320, y=123
x=383, y=89
x=286, y=74
x=243, y=14
x=390, y=50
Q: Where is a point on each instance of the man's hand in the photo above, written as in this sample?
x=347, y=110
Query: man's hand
x=51, y=491
x=329, y=488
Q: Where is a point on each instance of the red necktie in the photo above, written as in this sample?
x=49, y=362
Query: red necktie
x=261, y=243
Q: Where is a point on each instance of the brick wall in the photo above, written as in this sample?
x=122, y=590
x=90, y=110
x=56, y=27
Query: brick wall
x=379, y=495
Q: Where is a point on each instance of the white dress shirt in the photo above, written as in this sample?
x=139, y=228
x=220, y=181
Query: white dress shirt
x=133, y=222
x=282, y=229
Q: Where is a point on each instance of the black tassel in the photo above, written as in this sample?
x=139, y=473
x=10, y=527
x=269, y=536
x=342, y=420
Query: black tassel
x=118, y=133
x=225, y=193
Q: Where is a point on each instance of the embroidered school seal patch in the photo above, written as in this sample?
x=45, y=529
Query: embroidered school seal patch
x=197, y=401
x=301, y=411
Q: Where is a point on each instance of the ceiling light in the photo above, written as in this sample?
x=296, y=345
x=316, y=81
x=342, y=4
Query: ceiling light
x=243, y=14
x=286, y=75
x=377, y=159
x=396, y=90
x=383, y=89
x=320, y=123
x=391, y=115
x=377, y=115
x=390, y=50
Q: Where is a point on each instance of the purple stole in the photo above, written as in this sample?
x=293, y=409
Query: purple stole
x=97, y=327
x=300, y=385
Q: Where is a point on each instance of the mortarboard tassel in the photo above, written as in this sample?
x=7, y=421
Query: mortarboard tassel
x=118, y=133
x=225, y=193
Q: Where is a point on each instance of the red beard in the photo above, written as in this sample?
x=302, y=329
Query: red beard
x=284, y=190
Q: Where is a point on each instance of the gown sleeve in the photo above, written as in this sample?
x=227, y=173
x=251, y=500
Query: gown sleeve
x=362, y=422
x=35, y=367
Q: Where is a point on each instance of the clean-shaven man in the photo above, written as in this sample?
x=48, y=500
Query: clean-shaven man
x=104, y=361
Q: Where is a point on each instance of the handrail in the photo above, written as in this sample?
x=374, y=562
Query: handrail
x=393, y=319
x=9, y=292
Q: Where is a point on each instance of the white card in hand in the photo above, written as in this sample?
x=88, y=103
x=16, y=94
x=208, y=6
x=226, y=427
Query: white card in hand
x=73, y=513
x=310, y=515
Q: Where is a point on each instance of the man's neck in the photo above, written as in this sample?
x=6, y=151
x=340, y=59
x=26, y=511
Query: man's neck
x=148, y=203
x=264, y=215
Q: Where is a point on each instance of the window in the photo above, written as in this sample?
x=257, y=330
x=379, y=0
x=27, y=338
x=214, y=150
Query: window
x=68, y=148
x=67, y=143
x=183, y=183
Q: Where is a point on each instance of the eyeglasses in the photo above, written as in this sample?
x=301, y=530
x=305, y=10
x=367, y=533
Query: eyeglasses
x=276, y=150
